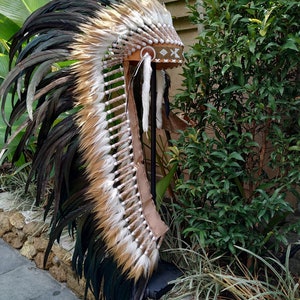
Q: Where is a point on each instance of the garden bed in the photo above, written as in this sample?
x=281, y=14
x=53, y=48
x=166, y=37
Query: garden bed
x=25, y=230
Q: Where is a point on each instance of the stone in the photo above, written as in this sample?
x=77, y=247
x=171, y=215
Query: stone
x=77, y=285
x=29, y=239
x=5, y=225
x=17, y=220
x=28, y=250
x=61, y=254
x=20, y=238
x=19, y=233
x=34, y=228
x=56, y=261
x=58, y=273
x=14, y=239
x=40, y=243
x=39, y=261
x=74, y=283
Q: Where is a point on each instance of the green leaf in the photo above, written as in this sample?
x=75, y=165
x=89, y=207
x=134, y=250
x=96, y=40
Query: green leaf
x=202, y=237
x=255, y=21
x=15, y=10
x=4, y=61
x=33, y=5
x=7, y=28
x=225, y=68
x=252, y=46
x=237, y=156
x=210, y=193
x=231, y=89
x=19, y=10
x=290, y=44
x=294, y=148
x=164, y=183
x=263, y=31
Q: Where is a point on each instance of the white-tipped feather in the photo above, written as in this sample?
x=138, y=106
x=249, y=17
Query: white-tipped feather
x=144, y=263
x=154, y=257
x=160, y=85
x=147, y=71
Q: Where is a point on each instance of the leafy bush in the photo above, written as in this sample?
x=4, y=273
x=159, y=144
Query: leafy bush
x=239, y=164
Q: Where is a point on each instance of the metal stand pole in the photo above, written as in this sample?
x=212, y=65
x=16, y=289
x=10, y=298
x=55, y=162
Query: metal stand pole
x=153, y=131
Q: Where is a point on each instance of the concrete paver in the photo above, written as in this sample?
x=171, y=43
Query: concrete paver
x=20, y=279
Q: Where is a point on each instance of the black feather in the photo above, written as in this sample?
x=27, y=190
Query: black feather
x=41, y=51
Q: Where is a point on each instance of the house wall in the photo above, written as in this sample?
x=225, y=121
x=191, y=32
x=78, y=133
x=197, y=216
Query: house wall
x=187, y=32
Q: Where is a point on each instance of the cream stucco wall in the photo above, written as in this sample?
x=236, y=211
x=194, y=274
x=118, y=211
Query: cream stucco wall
x=187, y=32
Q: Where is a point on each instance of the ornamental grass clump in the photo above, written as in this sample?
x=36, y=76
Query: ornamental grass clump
x=205, y=279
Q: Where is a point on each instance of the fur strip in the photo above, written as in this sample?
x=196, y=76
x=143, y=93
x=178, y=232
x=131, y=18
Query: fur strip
x=147, y=71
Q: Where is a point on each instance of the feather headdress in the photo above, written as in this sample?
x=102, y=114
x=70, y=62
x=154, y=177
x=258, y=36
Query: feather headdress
x=76, y=79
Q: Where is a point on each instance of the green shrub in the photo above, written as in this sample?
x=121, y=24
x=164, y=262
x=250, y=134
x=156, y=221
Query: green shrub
x=239, y=164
